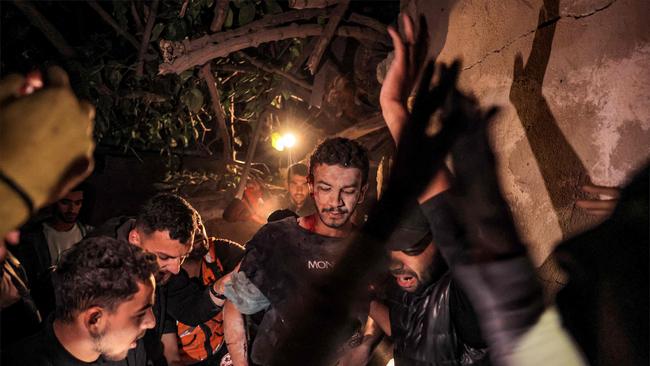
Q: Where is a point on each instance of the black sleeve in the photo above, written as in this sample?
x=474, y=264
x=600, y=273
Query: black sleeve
x=229, y=254
x=464, y=318
x=187, y=302
x=446, y=232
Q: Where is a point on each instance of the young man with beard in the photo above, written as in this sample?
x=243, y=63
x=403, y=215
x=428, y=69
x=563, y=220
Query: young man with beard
x=105, y=290
x=166, y=226
x=42, y=243
x=286, y=258
x=427, y=315
x=298, y=198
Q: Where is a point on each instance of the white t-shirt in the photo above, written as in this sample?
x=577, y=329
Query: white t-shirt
x=60, y=241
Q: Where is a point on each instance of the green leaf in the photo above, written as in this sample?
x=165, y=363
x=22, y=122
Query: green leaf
x=157, y=29
x=229, y=18
x=237, y=3
x=272, y=7
x=193, y=100
x=186, y=75
x=246, y=14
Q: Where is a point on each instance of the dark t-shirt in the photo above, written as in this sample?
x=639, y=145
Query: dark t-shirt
x=284, y=261
x=44, y=349
x=308, y=208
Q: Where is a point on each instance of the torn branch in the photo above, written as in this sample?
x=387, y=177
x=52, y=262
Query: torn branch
x=139, y=71
x=369, y=22
x=275, y=70
x=326, y=37
x=220, y=12
x=52, y=34
x=110, y=21
x=208, y=77
x=188, y=60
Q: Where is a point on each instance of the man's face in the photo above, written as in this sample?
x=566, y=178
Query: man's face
x=413, y=271
x=170, y=253
x=298, y=189
x=123, y=327
x=337, y=192
x=67, y=208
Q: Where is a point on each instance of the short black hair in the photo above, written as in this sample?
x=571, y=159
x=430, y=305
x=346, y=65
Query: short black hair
x=99, y=271
x=166, y=211
x=340, y=151
x=297, y=169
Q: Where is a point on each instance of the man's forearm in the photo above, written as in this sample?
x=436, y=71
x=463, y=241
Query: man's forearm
x=234, y=332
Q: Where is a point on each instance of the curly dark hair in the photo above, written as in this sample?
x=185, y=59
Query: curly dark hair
x=169, y=212
x=99, y=271
x=340, y=151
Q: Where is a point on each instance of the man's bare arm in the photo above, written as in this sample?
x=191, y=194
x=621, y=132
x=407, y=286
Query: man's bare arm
x=234, y=332
x=170, y=349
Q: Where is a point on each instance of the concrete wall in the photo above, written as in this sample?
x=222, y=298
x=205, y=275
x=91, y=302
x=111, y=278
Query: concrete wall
x=576, y=108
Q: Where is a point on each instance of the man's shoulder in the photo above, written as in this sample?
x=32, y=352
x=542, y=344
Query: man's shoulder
x=286, y=228
x=32, y=350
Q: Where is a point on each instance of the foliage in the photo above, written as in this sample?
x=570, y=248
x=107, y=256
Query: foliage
x=173, y=113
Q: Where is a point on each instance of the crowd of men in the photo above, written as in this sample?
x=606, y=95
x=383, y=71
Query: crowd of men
x=309, y=288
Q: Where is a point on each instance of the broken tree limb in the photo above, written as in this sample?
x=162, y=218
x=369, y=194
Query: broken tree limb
x=110, y=21
x=220, y=12
x=304, y=4
x=136, y=18
x=326, y=37
x=187, y=46
x=181, y=13
x=217, y=108
x=369, y=22
x=250, y=154
x=187, y=60
x=275, y=70
x=139, y=70
x=52, y=34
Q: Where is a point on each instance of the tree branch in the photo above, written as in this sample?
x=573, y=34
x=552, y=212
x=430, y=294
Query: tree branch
x=208, y=77
x=369, y=22
x=187, y=46
x=220, y=12
x=184, y=60
x=139, y=71
x=109, y=19
x=276, y=70
x=183, y=8
x=304, y=4
x=326, y=37
x=250, y=154
x=52, y=34
x=136, y=18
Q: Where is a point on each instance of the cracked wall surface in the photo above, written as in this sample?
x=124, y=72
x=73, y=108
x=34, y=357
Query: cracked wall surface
x=586, y=116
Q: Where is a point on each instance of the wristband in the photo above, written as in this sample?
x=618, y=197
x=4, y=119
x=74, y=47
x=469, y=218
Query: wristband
x=26, y=199
x=217, y=294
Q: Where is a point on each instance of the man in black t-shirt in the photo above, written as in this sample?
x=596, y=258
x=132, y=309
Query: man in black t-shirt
x=105, y=295
x=286, y=258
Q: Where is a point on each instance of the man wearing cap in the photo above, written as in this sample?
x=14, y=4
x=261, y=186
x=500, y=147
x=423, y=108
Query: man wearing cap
x=429, y=318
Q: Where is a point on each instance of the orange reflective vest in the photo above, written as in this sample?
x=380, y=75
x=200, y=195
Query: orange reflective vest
x=199, y=342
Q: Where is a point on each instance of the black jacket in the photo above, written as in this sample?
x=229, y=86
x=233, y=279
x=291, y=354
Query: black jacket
x=179, y=299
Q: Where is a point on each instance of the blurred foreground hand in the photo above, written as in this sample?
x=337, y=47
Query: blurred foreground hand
x=46, y=144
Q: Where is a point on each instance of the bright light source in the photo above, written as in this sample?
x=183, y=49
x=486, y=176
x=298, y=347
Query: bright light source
x=289, y=140
x=277, y=141
x=280, y=142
